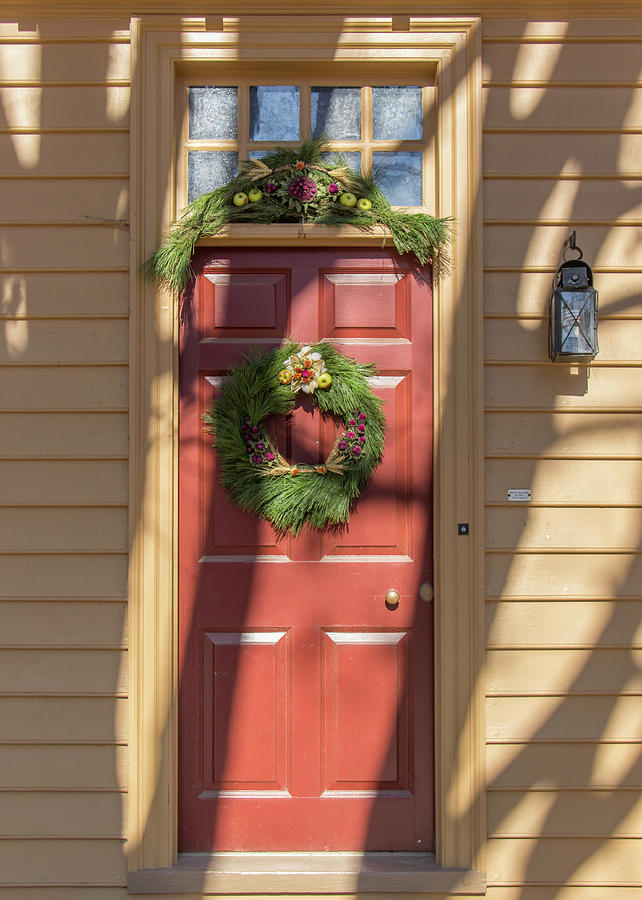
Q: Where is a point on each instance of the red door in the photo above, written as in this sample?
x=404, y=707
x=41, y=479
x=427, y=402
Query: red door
x=305, y=703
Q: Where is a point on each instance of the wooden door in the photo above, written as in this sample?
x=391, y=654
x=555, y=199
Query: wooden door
x=305, y=703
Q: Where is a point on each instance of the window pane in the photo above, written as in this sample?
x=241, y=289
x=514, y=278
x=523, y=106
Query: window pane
x=336, y=113
x=399, y=175
x=213, y=113
x=209, y=169
x=352, y=158
x=274, y=113
x=397, y=113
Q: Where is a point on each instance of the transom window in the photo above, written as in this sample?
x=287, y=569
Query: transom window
x=385, y=124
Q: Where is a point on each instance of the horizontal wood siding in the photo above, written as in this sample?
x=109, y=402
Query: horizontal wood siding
x=562, y=148
x=64, y=234
x=562, y=143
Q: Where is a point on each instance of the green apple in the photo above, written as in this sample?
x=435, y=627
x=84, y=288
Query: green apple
x=239, y=199
x=347, y=199
x=254, y=195
x=364, y=203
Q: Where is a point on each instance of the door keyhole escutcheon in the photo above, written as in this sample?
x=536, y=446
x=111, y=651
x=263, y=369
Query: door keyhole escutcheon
x=392, y=599
x=426, y=592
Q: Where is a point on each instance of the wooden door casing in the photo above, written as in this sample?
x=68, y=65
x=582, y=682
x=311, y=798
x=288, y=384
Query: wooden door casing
x=305, y=707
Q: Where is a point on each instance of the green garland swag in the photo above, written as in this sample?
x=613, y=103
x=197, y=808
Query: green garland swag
x=253, y=471
x=293, y=186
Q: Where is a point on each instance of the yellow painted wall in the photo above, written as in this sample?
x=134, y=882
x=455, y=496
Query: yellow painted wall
x=562, y=144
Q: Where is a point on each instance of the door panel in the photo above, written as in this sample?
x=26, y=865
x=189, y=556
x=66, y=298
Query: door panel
x=305, y=708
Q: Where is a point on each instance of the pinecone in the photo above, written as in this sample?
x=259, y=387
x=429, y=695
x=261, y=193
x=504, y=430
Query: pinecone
x=303, y=189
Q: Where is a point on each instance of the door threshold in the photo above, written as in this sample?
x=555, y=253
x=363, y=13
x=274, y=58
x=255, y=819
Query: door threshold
x=306, y=873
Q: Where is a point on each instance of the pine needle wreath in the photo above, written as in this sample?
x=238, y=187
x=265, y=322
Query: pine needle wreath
x=293, y=186
x=256, y=475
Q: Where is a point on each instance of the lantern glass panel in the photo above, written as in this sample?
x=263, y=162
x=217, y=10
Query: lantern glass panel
x=578, y=322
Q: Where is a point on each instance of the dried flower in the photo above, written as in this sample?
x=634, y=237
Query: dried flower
x=333, y=188
x=350, y=434
x=269, y=456
x=257, y=458
x=342, y=445
x=356, y=449
x=303, y=189
x=271, y=187
x=361, y=429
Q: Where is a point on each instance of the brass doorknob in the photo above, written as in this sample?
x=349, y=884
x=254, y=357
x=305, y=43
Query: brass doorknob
x=392, y=599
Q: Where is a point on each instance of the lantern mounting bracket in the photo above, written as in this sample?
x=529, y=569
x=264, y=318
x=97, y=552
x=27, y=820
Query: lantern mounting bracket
x=570, y=244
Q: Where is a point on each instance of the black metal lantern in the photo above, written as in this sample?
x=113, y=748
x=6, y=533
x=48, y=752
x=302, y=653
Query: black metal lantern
x=572, y=326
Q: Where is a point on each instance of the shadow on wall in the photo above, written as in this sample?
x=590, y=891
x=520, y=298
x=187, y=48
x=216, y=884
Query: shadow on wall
x=563, y=641
x=563, y=575
x=561, y=618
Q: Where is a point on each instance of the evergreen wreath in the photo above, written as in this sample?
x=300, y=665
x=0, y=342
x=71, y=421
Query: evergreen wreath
x=256, y=475
x=293, y=186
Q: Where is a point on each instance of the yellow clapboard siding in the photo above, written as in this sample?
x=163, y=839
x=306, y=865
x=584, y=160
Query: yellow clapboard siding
x=565, y=434
x=64, y=62
x=63, y=434
x=560, y=62
x=69, y=719
x=564, y=623
x=56, y=576
x=67, y=530
x=50, y=814
x=62, y=481
x=64, y=293
x=566, y=481
x=548, y=529
x=40, y=246
x=579, y=766
x=569, y=200
x=50, y=29
x=583, y=860
x=553, y=387
x=75, y=892
x=86, y=201
x=571, y=813
x=527, y=293
x=52, y=861
x=563, y=671
x=64, y=622
x=563, y=107
x=517, y=30
x=563, y=575
x=77, y=340
x=545, y=892
x=564, y=718
x=46, y=671
x=570, y=154
x=66, y=107
x=527, y=340
x=55, y=766
x=541, y=245
x=64, y=154
x=71, y=387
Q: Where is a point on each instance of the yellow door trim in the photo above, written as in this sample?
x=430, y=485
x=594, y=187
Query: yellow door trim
x=161, y=45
